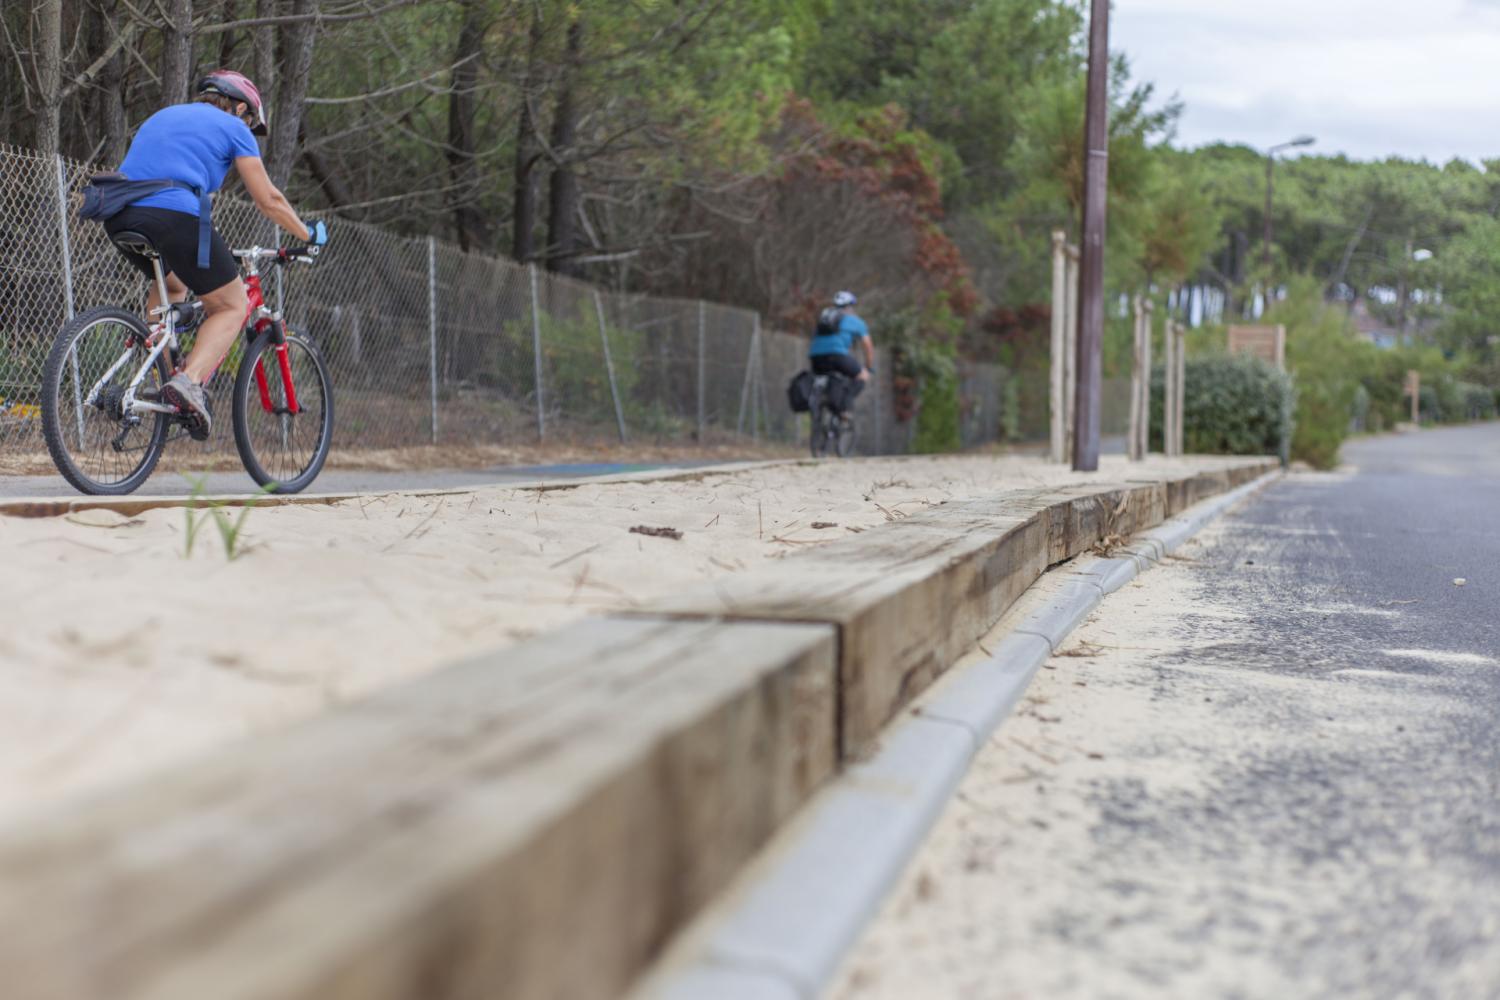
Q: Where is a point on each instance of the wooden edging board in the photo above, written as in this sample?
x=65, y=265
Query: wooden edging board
x=530, y=824
x=538, y=822
x=912, y=597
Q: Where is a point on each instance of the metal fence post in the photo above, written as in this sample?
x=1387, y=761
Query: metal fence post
x=67, y=270
x=702, y=373
x=764, y=407
x=753, y=371
x=609, y=365
x=536, y=353
x=749, y=374
x=432, y=330
x=62, y=229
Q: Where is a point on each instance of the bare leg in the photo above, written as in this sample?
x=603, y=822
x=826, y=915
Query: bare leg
x=224, y=316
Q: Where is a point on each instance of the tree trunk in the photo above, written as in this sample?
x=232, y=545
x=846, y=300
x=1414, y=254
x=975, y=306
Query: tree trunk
x=523, y=217
x=113, y=126
x=49, y=75
x=295, y=45
x=176, y=51
x=228, y=40
x=468, y=222
x=328, y=178
x=562, y=220
x=264, y=39
x=1403, y=288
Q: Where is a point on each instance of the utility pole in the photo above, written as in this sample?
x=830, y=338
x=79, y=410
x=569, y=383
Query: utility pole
x=1091, y=262
x=1266, y=239
x=1301, y=140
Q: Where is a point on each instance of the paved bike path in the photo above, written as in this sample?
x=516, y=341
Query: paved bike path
x=167, y=484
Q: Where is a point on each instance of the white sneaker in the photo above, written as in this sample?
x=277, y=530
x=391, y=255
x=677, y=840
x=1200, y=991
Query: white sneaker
x=192, y=402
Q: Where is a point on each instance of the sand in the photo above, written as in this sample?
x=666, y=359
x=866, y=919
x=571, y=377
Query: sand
x=120, y=654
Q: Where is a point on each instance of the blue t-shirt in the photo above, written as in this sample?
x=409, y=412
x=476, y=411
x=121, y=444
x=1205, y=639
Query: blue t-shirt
x=192, y=143
x=850, y=329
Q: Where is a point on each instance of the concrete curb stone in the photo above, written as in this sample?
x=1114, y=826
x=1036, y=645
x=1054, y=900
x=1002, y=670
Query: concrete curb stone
x=729, y=984
x=981, y=697
x=1075, y=600
x=801, y=919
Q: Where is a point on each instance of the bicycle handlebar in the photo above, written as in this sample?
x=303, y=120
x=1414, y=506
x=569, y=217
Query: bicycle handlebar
x=281, y=255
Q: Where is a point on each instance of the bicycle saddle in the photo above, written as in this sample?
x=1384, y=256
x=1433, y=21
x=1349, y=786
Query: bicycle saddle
x=128, y=239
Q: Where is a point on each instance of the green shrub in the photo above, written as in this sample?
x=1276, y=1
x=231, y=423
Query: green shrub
x=576, y=378
x=938, y=417
x=1010, y=409
x=1231, y=406
x=1479, y=401
x=1324, y=406
x=922, y=351
x=1360, y=417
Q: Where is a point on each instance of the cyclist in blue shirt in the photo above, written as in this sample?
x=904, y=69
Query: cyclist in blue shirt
x=833, y=353
x=196, y=144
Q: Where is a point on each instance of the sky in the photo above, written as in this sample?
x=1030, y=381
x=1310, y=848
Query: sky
x=1369, y=78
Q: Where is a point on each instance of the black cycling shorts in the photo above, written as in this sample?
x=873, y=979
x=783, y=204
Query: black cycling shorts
x=175, y=235
x=843, y=364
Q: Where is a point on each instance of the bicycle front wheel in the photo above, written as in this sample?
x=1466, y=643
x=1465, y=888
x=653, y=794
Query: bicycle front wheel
x=96, y=445
x=283, y=412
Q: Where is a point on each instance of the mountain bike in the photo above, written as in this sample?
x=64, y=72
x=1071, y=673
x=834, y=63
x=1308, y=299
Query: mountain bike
x=106, y=425
x=833, y=431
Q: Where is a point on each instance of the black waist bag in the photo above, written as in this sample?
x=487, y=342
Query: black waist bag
x=107, y=195
x=799, y=392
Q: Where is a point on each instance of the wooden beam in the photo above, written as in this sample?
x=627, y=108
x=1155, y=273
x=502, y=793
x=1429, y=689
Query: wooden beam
x=534, y=823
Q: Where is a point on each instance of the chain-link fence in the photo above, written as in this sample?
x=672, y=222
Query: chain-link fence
x=431, y=345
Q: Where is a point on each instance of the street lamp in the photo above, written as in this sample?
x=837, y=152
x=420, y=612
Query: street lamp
x=1301, y=140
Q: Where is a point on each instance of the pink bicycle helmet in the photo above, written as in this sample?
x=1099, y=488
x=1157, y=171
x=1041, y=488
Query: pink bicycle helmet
x=237, y=87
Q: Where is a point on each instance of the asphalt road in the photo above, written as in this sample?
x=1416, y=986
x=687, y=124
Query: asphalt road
x=1268, y=769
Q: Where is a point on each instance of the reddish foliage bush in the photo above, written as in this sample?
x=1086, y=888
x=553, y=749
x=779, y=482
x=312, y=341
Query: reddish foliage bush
x=855, y=208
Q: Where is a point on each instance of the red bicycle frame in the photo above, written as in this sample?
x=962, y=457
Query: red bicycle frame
x=258, y=318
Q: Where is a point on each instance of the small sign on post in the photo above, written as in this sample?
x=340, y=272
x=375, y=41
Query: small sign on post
x=1265, y=342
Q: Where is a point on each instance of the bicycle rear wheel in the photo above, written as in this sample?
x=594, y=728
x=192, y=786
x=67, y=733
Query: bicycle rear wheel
x=283, y=450
x=819, y=436
x=96, y=446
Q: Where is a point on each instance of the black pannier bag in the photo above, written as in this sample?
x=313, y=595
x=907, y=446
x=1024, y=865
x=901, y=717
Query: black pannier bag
x=840, y=393
x=799, y=391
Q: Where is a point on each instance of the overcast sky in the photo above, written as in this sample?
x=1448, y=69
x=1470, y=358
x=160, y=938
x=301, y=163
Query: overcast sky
x=1369, y=78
